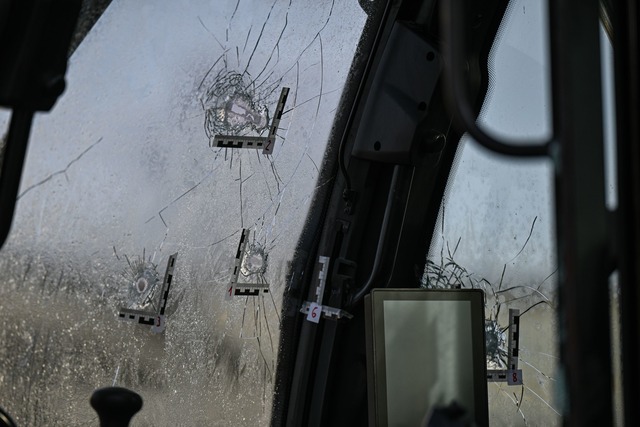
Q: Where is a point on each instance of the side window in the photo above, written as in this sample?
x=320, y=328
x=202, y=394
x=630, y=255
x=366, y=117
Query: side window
x=496, y=229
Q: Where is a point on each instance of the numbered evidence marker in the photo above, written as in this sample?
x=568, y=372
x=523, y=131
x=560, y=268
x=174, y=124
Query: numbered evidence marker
x=266, y=144
x=235, y=287
x=512, y=375
x=314, y=310
x=155, y=319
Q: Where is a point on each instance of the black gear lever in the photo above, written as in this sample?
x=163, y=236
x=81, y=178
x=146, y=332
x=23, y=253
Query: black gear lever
x=115, y=406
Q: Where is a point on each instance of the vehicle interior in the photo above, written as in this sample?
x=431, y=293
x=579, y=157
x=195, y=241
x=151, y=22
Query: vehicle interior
x=319, y=213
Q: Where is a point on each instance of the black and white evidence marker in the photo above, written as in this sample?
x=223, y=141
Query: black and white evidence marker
x=236, y=288
x=512, y=375
x=267, y=143
x=156, y=319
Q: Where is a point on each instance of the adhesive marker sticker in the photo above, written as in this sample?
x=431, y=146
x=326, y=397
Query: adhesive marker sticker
x=228, y=295
x=315, y=312
x=514, y=377
x=159, y=325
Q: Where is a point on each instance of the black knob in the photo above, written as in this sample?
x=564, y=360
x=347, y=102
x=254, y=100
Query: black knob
x=115, y=406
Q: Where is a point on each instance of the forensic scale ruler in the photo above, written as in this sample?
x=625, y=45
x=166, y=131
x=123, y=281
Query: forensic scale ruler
x=512, y=375
x=155, y=319
x=255, y=142
x=238, y=289
x=314, y=309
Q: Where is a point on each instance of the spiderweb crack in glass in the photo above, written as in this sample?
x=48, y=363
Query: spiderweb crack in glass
x=255, y=261
x=232, y=106
x=496, y=344
x=147, y=301
x=447, y=273
x=141, y=278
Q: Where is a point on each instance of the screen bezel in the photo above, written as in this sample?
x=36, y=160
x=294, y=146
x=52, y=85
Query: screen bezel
x=376, y=358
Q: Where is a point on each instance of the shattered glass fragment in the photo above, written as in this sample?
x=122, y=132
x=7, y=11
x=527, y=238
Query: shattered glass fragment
x=255, y=261
x=496, y=343
x=147, y=300
x=232, y=106
x=142, y=278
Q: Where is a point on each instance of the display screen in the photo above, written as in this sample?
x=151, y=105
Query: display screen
x=428, y=351
x=427, y=363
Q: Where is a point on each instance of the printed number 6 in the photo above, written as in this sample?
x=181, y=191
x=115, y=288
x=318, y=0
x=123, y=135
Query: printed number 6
x=314, y=314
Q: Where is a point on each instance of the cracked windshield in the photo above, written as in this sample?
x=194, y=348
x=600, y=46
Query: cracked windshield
x=159, y=207
x=496, y=229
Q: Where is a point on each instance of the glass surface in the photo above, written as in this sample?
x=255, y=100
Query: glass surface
x=496, y=230
x=122, y=174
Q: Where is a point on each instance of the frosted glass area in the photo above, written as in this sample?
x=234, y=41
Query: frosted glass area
x=122, y=174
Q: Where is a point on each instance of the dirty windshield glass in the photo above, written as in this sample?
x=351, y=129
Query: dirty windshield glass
x=496, y=229
x=159, y=206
